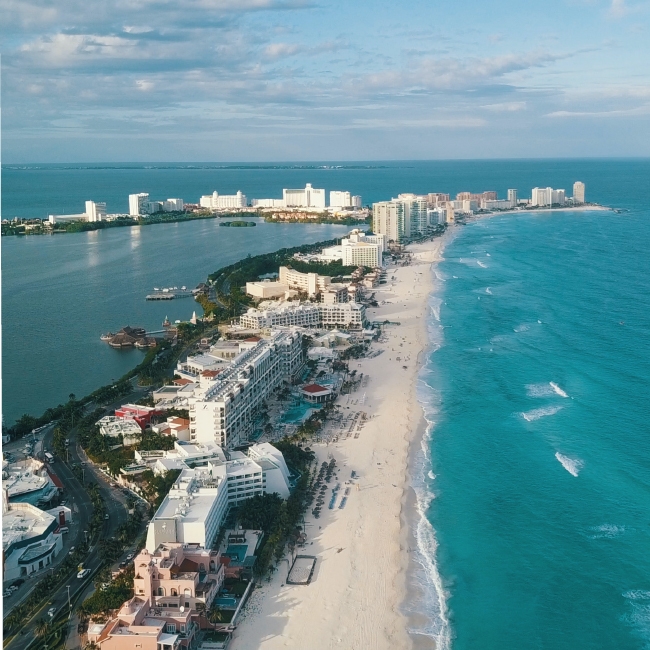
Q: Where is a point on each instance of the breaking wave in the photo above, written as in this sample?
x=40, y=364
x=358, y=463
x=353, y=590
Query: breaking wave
x=571, y=465
x=536, y=414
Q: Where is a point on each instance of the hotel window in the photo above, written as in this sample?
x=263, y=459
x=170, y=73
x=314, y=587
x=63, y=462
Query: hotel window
x=171, y=628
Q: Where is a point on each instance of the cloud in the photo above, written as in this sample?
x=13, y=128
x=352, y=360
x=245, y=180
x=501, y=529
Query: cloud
x=625, y=112
x=505, y=107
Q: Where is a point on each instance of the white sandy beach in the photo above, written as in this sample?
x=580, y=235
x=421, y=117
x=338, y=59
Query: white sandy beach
x=359, y=583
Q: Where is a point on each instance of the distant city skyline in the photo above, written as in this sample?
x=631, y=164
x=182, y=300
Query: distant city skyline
x=296, y=80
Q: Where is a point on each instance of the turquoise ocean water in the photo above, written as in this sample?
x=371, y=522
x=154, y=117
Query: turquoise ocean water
x=538, y=452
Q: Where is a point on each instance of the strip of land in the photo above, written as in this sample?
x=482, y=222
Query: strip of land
x=354, y=597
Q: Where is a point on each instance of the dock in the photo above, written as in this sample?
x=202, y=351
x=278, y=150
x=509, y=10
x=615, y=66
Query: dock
x=169, y=295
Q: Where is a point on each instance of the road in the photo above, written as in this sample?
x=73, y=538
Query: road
x=79, y=502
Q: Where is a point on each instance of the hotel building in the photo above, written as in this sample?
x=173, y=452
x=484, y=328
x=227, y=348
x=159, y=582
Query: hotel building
x=215, y=201
x=197, y=503
x=578, y=192
x=348, y=315
x=222, y=408
x=547, y=196
x=138, y=204
x=309, y=197
x=95, y=211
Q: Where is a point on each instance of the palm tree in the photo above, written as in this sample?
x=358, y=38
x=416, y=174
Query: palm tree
x=215, y=615
x=12, y=621
x=42, y=628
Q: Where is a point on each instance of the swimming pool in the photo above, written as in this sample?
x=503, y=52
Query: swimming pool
x=237, y=552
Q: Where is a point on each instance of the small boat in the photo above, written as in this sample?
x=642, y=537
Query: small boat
x=106, y=337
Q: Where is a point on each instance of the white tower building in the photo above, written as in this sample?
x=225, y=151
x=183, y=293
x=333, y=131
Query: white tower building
x=578, y=192
x=138, y=204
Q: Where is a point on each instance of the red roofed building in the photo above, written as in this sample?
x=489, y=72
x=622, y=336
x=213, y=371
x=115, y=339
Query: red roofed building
x=316, y=394
x=141, y=414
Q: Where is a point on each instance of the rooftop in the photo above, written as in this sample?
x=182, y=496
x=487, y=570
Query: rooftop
x=22, y=521
x=315, y=388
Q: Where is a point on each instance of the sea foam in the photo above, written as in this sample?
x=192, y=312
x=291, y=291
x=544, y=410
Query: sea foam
x=571, y=465
x=606, y=531
x=557, y=389
x=536, y=414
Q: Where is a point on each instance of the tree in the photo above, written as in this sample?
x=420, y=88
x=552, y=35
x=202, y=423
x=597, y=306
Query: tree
x=42, y=628
x=215, y=615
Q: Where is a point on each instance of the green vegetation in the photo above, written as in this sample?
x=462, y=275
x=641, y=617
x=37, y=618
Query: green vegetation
x=112, y=596
x=322, y=217
x=228, y=281
x=156, y=488
x=334, y=268
x=238, y=224
x=277, y=518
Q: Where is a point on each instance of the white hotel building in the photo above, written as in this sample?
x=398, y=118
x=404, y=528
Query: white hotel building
x=358, y=249
x=542, y=196
x=349, y=315
x=310, y=197
x=222, y=409
x=197, y=503
x=215, y=201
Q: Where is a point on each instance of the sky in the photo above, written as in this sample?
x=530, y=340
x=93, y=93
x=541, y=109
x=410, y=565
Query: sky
x=316, y=80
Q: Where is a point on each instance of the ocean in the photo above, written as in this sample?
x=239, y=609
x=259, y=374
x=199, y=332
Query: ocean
x=534, y=478
x=535, y=485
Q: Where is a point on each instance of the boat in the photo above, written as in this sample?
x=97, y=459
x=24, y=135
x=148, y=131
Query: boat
x=106, y=337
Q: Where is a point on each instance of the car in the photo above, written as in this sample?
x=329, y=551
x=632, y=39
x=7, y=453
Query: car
x=64, y=503
x=83, y=573
x=122, y=565
x=106, y=517
x=51, y=612
x=13, y=588
x=129, y=556
x=7, y=593
x=18, y=583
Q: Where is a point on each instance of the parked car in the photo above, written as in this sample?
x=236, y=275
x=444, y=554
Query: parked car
x=129, y=556
x=83, y=573
x=106, y=517
x=51, y=612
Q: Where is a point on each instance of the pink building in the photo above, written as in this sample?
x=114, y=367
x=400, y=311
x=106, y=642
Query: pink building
x=170, y=586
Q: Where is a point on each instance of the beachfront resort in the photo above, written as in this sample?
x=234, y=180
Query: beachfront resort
x=306, y=399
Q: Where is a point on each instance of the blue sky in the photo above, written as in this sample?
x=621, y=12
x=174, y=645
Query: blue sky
x=276, y=80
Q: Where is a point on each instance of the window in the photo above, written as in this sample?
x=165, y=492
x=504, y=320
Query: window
x=171, y=628
x=161, y=591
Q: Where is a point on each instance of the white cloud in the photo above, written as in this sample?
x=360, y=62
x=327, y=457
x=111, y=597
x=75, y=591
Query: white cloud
x=625, y=112
x=505, y=107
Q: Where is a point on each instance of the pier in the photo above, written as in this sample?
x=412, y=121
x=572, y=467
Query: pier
x=169, y=295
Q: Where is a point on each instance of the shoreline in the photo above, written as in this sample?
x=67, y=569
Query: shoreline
x=360, y=585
